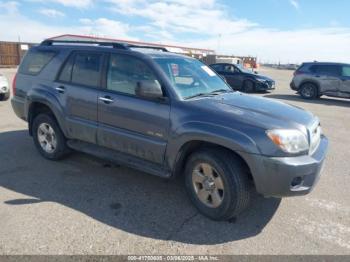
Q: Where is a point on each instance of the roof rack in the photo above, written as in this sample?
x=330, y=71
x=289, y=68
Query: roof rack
x=116, y=45
x=149, y=47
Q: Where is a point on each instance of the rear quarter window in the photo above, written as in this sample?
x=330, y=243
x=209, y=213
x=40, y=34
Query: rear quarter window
x=35, y=61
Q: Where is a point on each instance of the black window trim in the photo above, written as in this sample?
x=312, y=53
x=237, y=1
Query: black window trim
x=74, y=54
x=55, y=52
x=105, y=77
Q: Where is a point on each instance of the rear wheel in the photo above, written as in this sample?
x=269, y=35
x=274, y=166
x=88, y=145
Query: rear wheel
x=48, y=137
x=248, y=86
x=309, y=91
x=217, y=184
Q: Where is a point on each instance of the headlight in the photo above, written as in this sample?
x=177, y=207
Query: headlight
x=289, y=140
x=261, y=79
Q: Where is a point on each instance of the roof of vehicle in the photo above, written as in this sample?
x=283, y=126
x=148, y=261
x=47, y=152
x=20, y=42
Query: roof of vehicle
x=324, y=63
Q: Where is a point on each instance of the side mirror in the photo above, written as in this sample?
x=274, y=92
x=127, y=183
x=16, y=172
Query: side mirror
x=256, y=72
x=149, y=89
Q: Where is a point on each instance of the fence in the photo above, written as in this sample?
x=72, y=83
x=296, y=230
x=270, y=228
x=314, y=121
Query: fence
x=11, y=53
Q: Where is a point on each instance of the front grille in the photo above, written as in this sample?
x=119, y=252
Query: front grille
x=314, y=136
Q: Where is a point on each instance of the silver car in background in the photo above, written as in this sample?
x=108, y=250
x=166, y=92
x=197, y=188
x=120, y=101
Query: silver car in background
x=4, y=88
x=312, y=80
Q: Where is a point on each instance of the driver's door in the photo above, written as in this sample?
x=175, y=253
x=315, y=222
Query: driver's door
x=128, y=123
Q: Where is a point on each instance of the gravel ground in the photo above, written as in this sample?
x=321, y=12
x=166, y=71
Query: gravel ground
x=83, y=205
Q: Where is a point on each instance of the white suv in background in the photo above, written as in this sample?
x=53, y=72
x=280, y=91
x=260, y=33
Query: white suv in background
x=4, y=88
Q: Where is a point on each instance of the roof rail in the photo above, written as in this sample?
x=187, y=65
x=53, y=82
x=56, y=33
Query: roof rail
x=125, y=46
x=149, y=47
x=116, y=45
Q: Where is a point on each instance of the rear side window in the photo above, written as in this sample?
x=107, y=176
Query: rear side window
x=87, y=69
x=66, y=73
x=331, y=70
x=35, y=61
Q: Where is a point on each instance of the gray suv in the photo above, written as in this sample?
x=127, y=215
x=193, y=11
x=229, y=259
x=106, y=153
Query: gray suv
x=168, y=115
x=312, y=80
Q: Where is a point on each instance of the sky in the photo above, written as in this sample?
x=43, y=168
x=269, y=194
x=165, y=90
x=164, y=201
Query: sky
x=286, y=31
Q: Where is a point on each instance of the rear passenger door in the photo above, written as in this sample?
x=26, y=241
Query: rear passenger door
x=328, y=77
x=127, y=123
x=77, y=89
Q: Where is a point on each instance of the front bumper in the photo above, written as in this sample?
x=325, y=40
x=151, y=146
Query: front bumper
x=293, y=86
x=287, y=176
x=4, y=89
x=263, y=86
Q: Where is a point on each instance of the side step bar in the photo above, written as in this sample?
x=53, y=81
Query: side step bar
x=119, y=158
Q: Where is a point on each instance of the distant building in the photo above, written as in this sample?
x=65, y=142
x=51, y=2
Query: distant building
x=11, y=53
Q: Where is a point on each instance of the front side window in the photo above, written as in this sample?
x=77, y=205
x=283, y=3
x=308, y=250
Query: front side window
x=35, y=61
x=346, y=71
x=190, y=77
x=126, y=72
x=87, y=69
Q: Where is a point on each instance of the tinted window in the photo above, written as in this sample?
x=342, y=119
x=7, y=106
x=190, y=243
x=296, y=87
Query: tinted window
x=125, y=72
x=325, y=70
x=346, y=71
x=35, y=61
x=230, y=69
x=217, y=68
x=66, y=73
x=87, y=69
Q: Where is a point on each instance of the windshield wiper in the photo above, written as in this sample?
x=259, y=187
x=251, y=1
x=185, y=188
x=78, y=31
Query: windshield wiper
x=213, y=93
x=199, y=95
x=220, y=91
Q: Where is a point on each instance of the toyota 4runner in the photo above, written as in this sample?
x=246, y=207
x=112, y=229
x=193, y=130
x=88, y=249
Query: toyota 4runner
x=168, y=115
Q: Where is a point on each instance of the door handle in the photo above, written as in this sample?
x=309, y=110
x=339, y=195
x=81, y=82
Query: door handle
x=60, y=89
x=106, y=99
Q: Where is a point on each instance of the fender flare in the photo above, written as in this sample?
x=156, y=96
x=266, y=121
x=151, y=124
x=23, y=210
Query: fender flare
x=43, y=96
x=229, y=138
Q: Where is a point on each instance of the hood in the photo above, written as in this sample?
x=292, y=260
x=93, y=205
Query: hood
x=259, y=76
x=258, y=111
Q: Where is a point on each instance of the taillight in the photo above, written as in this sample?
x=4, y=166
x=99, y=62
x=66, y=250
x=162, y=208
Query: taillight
x=298, y=73
x=14, y=85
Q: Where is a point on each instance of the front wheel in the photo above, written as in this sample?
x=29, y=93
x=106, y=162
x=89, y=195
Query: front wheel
x=48, y=137
x=248, y=86
x=217, y=184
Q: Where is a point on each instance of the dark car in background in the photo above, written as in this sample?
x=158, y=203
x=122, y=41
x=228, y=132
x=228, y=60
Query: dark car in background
x=312, y=80
x=242, y=79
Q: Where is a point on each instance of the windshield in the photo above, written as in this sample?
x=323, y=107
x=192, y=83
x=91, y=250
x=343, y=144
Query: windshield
x=191, y=78
x=244, y=70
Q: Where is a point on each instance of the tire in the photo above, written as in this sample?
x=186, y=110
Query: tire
x=236, y=187
x=309, y=91
x=47, y=132
x=4, y=97
x=248, y=86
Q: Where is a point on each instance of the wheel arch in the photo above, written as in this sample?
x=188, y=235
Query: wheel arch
x=190, y=147
x=308, y=81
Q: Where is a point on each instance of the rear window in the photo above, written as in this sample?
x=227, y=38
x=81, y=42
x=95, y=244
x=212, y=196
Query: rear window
x=35, y=61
